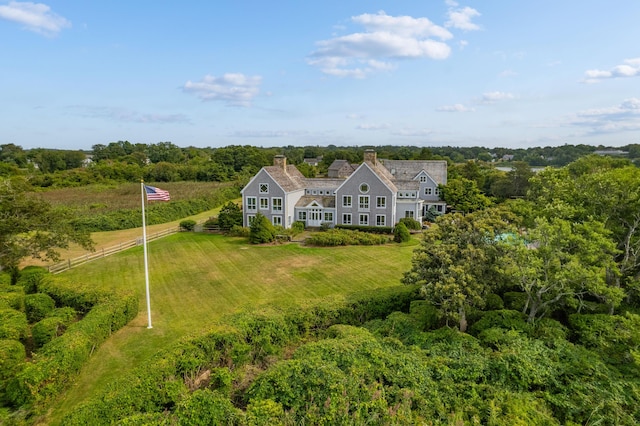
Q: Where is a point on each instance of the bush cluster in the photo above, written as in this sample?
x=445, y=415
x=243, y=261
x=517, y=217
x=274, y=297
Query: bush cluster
x=239, y=340
x=369, y=229
x=344, y=237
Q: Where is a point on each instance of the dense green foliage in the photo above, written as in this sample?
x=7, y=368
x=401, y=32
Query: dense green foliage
x=345, y=237
x=261, y=230
x=62, y=344
x=230, y=215
x=401, y=233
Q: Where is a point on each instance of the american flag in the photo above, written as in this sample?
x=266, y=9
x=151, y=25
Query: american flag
x=156, y=194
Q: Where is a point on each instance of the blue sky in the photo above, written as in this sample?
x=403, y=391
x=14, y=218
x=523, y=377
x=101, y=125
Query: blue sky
x=352, y=72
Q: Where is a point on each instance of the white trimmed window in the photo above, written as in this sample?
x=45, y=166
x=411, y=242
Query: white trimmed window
x=423, y=178
x=302, y=215
x=381, y=220
x=251, y=218
x=408, y=213
x=264, y=203
x=276, y=204
x=264, y=188
x=252, y=203
x=346, y=219
x=381, y=202
x=277, y=220
x=437, y=191
x=328, y=216
x=428, y=191
x=364, y=188
x=363, y=202
x=346, y=201
x=364, y=219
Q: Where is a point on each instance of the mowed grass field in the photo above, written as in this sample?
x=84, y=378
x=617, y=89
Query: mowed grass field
x=196, y=278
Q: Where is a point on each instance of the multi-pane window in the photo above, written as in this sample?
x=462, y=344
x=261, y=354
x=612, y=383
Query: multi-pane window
x=428, y=191
x=277, y=220
x=363, y=202
x=264, y=188
x=364, y=219
x=437, y=191
x=346, y=201
x=408, y=213
x=264, y=203
x=252, y=203
x=423, y=178
x=251, y=218
x=302, y=215
x=276, y=204
x=381, y=220
x=328, y=216
x=346, y=219
x=381, y=202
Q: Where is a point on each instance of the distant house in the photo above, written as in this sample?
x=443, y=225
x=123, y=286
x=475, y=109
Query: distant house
x=374, y=193
x=340, y=169
x=312, y=161
x=613, y=152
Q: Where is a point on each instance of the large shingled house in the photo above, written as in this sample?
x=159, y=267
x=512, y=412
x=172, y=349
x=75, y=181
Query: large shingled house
x=377, y=192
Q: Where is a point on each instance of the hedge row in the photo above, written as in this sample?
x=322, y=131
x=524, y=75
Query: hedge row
x=369, y=229
x=37, y=383
x=174, y=379
x=343, y=237
x=156, y=213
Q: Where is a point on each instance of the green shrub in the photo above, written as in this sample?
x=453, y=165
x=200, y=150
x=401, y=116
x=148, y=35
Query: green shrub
x=297, y=227
x=401, y=233
x=37, y=306
x=230, y=215
x=12, y=297
x=66, y=314
x=239, y=231
x=31, y=277
x=370, y=229
x=206, y=407
x=261, y=230
x=5, y=279
x=425, y=314
x=12, y=355
x=13, y=324
x=493, y=302
x=507, y=319
x=411, y=223
x=187, y=225
x=343, y=237
x=45, y=330
x=514, y=300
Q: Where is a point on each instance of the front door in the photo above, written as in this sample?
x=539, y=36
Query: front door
x=314, y=217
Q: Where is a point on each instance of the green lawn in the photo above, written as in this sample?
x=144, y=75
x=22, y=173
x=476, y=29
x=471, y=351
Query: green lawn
x=197, y=278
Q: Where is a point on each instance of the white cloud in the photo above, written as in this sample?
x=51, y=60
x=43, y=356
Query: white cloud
x=507, y=73
x=629, y=68
x=379, y=126
x=493, y=97
x=234, y=89
x=455, y=108
x=385, y=38
x=623, y=117
x=36, y=17
x=414, y=132
x=461, y=19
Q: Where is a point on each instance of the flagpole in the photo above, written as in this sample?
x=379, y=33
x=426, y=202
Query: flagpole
x=146, y=261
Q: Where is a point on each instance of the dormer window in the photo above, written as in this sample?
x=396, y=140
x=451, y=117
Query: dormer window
x=423, y=178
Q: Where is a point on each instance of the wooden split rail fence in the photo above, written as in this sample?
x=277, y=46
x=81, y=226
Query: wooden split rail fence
x=100, y=253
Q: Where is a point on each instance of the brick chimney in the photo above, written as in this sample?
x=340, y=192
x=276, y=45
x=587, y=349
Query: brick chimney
x=370, y=156
x=280, y=161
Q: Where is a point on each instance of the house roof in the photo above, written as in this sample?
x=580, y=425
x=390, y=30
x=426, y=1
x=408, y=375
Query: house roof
x=383, y=174
x=407, y=170
x=327, y=201
x=291, y=180
x=327, y=183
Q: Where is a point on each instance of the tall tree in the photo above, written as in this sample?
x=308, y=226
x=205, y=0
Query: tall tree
x=31, y=227
x=563, y=265
x=463, y=194
x=456, y=262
